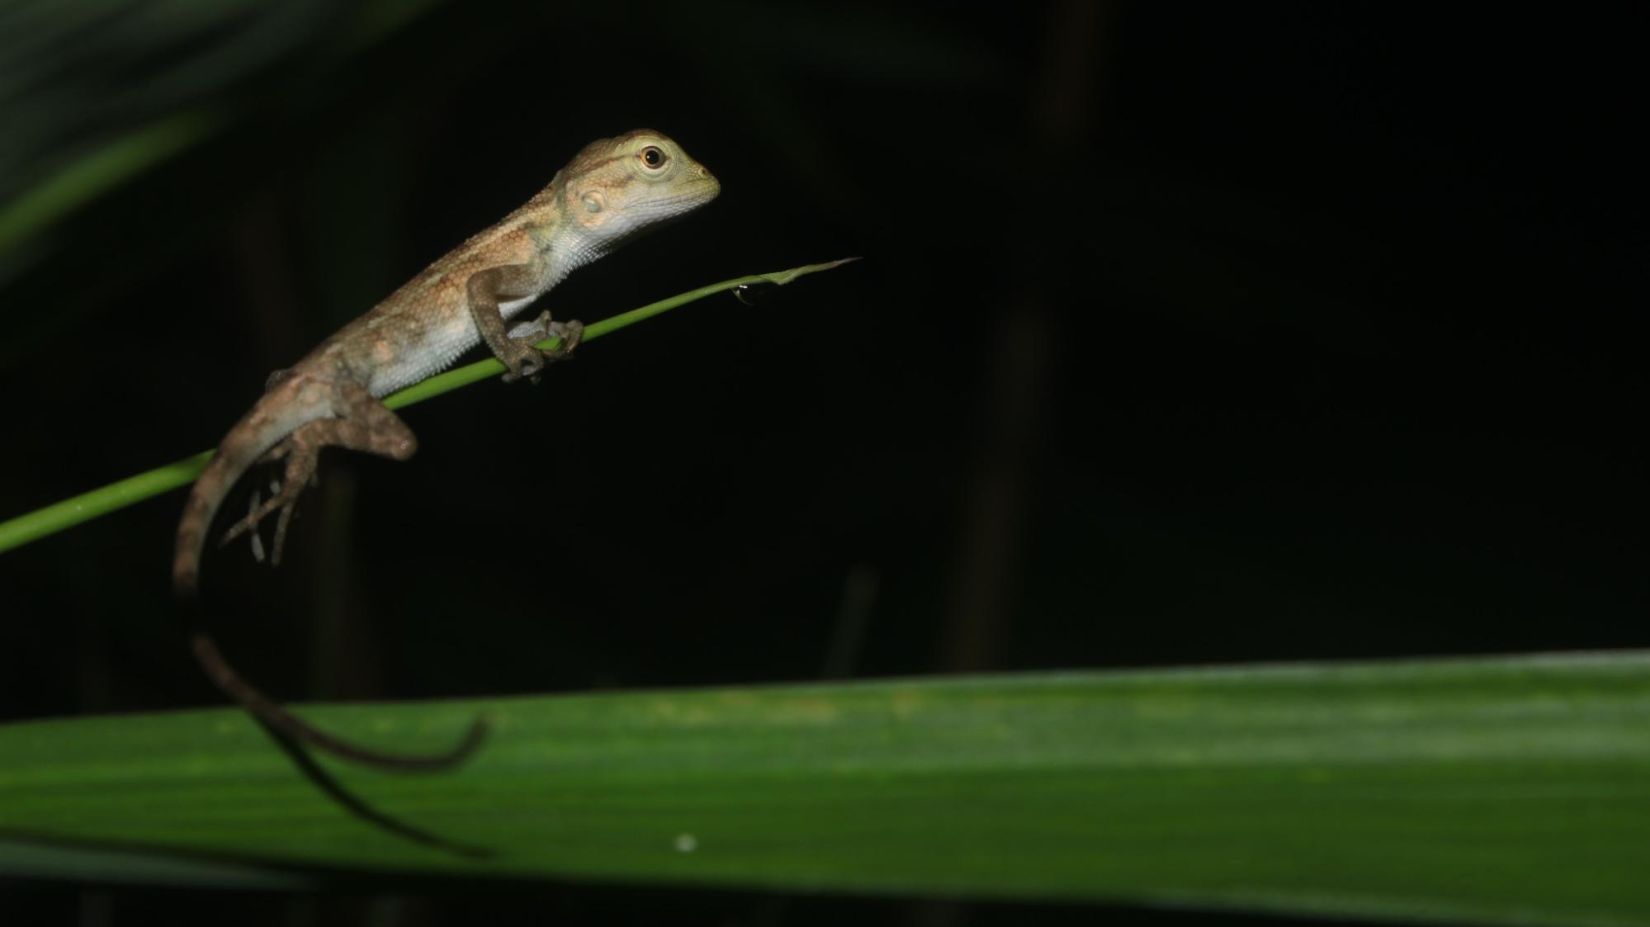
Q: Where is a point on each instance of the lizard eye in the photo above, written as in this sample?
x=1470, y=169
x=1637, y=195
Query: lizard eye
x=653, y=157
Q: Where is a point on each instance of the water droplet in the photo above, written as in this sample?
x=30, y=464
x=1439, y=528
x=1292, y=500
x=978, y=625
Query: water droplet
x=752, y=293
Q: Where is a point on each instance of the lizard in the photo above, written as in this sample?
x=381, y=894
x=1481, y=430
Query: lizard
x=612, y=190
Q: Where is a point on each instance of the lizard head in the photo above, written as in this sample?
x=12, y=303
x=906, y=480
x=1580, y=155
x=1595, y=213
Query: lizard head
x=619, y=186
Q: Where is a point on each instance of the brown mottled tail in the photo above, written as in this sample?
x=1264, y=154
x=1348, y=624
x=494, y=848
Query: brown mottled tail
x=285, y=722
x=276, y=415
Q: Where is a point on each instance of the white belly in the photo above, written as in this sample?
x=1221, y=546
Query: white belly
x=442, y=346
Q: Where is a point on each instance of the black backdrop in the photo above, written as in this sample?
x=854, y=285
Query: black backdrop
x=1183, y=334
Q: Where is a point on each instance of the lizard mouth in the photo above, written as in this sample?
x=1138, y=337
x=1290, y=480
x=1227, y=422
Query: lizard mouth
x=644, y=218
x=704, y=188
x=686, y=200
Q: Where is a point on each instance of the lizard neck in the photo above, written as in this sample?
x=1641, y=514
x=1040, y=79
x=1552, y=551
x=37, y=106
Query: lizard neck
x=568, y=249
x=561, y=244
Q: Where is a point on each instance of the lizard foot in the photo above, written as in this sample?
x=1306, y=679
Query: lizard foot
x=524, y=361
x=285, y=500
x=300, y=473
x=528, y=361
x=570, y=332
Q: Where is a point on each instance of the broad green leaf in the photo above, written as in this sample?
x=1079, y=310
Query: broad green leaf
x=1496, y=790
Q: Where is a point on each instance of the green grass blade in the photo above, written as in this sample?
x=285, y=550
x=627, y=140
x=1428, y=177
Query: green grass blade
x=31, y=526
x=1501, y=790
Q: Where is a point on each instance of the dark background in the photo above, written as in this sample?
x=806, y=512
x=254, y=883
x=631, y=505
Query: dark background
x=1185, y=333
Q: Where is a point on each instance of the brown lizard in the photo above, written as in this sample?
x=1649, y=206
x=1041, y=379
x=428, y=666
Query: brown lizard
x=610, y=191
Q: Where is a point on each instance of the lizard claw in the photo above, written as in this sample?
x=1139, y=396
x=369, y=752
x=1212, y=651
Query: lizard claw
x=570, y=332
x=284, y=501
x=524, y=361
x=284, y=493
x=253, y=534
x=529, y=361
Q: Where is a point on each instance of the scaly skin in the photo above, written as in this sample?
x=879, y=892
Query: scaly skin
x=612, y=190
x=605, y=195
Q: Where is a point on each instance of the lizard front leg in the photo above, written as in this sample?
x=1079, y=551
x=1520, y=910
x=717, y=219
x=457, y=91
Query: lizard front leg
x=363, y=424
x=486, y=289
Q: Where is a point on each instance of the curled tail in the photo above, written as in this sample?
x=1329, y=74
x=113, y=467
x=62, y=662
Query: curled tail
x=289, y=725
x=289, y=405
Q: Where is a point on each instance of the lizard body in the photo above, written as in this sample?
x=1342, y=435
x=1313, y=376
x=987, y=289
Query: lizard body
x=613, y=189
x=606, y=194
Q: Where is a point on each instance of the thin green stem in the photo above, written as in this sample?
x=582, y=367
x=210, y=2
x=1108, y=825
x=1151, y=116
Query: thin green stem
x=53, y=518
